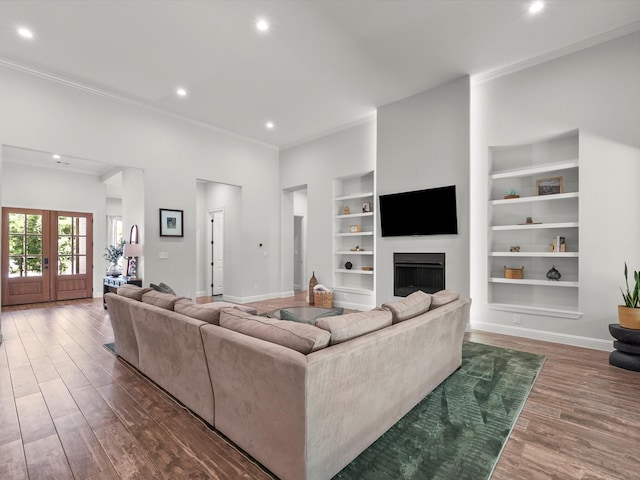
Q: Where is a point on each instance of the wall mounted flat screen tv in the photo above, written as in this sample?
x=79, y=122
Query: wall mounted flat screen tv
x=421, y=212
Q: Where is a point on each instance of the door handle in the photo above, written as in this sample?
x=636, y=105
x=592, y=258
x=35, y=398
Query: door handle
x=46, y=263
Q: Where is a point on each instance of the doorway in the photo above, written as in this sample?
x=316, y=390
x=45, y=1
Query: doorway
x=217, y=252
x=46, y=255
x=298, y=254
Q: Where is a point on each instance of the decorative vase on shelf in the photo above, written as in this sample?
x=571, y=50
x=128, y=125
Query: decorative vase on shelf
x=553, y=274
x=312, y=283
x=348, y=265
x=115, y=270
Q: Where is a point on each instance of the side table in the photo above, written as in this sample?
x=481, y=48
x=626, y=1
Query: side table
x=627, y=347
x=111, y=284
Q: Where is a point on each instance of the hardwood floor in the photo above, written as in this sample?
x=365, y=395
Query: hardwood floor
x=71, y=409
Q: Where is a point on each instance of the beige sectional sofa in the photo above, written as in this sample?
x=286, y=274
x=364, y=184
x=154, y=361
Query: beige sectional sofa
x=303, y=400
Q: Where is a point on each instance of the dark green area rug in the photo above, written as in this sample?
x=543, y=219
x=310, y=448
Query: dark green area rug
x=458, y=431
x=111, y=347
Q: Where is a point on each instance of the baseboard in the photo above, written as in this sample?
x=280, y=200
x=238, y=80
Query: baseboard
x=563, y=338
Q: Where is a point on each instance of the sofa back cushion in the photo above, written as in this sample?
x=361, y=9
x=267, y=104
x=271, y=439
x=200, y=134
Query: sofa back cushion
x=352, y=325
x=159, y=299
x=297, y=336
x=443, y=297
x=413, y=305
x=132, y=291
x=207, y=312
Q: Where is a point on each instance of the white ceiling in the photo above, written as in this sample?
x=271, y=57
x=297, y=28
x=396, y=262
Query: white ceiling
x=322, y=65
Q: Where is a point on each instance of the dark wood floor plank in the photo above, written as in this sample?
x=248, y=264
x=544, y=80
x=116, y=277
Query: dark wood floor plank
x=581, y=421
x=84, y=453
x=9, y=425
x=127, y=455
x=58, y=399
x=35, y=421
x=13, y=465
x=46, y=460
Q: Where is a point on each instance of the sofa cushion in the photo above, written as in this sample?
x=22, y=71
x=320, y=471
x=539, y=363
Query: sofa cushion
x=411, y=306
x=159, y=299
x=132, y=291
x=297, y=336
x=346, y=327
x=207, y=312
x=287, y=315
x=443, y=297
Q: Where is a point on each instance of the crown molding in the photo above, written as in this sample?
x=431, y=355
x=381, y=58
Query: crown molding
x=124, y=99
x=484, y=77
x=360, y=121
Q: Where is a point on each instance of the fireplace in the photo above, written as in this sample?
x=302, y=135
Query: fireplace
x=417, y=271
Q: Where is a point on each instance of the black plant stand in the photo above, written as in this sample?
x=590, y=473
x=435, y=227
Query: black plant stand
x=627, y=347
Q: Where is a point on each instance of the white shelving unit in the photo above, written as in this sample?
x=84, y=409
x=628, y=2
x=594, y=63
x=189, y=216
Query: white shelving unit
x=354, y=287
x=518, y=167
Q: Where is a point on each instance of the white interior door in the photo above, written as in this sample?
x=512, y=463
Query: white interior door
x=298, y=264
x=218, y=252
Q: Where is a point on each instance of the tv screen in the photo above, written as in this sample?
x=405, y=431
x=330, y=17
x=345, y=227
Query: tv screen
x=421, y=212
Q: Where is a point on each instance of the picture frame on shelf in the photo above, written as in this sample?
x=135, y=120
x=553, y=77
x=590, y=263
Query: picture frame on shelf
x=549, y=186
x=171, y=223
x=366, y=207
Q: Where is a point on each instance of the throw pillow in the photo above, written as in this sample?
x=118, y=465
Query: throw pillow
x=207, y=312
x=443, y=297
x=132, y=291
x=352, y=325
x=287, y=315
x=297, y=336
x=163, y=287
x=413, y=305
x=159, y=299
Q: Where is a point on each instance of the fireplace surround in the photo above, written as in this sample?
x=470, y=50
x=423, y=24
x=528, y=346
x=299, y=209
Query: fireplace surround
x=418, y=271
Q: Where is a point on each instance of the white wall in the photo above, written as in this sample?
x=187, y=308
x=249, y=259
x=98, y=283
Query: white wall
x=25, y=187
x=43, y=115
x=315, y=164
x=596, y=91
x=114, y=207
x=423, y=142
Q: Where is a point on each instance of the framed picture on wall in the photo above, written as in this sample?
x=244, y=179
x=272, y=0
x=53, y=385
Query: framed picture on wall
x=549, y=186
x=171, y=223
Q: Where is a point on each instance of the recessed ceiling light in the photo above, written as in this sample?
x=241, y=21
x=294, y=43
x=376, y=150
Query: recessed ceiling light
x=181, y=92
x=262, y=25
x=536, y=7
x=56, y=156
x=270, y=125
x=24, y=32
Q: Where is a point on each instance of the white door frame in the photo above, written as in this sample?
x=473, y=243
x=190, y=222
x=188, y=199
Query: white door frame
x=215, y=285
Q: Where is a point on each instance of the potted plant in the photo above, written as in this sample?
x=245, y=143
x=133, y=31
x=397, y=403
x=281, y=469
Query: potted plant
x=113, y=253
x=629, y=313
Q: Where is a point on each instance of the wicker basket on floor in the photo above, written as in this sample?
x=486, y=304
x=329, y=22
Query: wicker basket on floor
x=323, y=299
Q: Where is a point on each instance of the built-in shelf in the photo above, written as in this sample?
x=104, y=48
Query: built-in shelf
x=533, y=310
x=535, y=170
x=537, y=198
x=354, y=215
x=361, y=291
x=358, y=234
x=519, y=169
x=535, y=226
x=354, y=287
x=535, y=254
x=354, y=196
x=354, y=271
x=531, y=281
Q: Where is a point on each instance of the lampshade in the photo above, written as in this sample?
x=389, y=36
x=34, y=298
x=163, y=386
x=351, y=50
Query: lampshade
x=132, y=250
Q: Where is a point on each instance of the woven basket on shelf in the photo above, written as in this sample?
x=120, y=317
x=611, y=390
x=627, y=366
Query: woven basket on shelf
x=323, y=299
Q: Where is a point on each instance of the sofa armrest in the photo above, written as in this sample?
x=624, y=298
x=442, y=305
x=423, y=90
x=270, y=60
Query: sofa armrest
x=172, y=355
x=259, y=398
